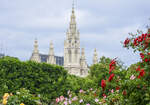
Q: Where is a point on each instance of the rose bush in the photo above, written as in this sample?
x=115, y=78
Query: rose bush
x=118, y=86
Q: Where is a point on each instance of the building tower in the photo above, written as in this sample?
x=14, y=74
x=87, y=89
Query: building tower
x=51, y=56
x=95, y=57
x=72, y=47
x=35, y=54
x=84, y=70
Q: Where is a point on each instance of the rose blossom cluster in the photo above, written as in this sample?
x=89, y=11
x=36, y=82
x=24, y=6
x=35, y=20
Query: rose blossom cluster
x=112, y=66
x=142, y=40
x=141, y=72
x=145, y=57
x=140, y=43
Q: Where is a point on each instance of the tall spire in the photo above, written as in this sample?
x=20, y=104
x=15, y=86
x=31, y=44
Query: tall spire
x=36, y=46
x=35, y=55
x=82, y=54
x=51, y=57
x=84, y=69
x=73, y=20
x=95, y=57
x=83, y=60
x=73, y=5
x=51, y=50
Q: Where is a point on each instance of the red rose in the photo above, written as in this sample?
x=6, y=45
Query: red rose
x=146, y=60
x=112, y=65
x=103, y=84
x=111, y=68
x=135, y=42
x=111, y=77
x=117, y=88
x=143, y=35
x=138, y=69
x=142, y=73
x=142, y=55
x=140, y=39
x=126, y=42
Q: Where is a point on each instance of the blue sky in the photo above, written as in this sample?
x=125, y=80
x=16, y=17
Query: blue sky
x=102, y=24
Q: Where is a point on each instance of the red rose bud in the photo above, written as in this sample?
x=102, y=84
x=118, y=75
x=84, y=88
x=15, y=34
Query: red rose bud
x=112, y=65
x=146, y=60
x=143, y=35
x=103, y=84
x=142, y=73
x=117, y=88
x=126, y=42
x=135, y=42
x=138, y=69
x=140, y=39
x=142, y=55
x=111, y=77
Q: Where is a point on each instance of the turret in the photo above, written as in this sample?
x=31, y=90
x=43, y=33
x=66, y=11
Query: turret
x=83, y=60
x=51, y=56
x=72, y=44
x=95, y=57
x=84, y=68
x=35, y=55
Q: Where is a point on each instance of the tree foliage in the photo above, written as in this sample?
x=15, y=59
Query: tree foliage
x=40, y=78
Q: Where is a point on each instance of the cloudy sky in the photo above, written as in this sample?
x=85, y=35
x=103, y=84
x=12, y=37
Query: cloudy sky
x=103, y=24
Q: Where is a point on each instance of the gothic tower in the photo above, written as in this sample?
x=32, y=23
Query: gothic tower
x=35, y=54
x=73, y=62
x=51, y=56
x=72, y=47
x=84, y=70
x=95, y=57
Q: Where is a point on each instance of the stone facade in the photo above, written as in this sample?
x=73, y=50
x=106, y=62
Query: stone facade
x=74, y=60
